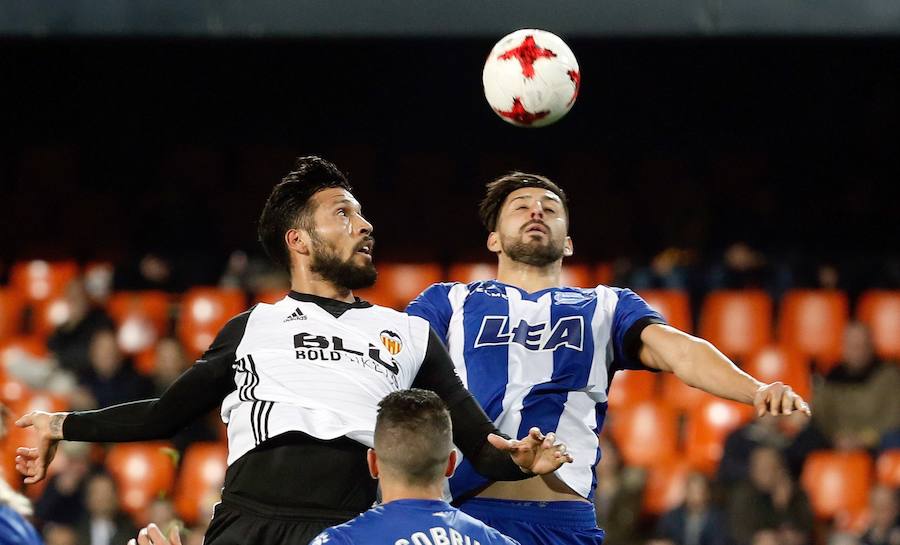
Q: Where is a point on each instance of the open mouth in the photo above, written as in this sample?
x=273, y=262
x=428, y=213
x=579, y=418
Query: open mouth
x=536, y=228
x=366, y=248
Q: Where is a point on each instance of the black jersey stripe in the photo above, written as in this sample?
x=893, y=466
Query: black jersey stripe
x=266, y=419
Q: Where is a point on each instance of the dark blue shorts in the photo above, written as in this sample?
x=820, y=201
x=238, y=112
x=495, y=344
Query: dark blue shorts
x=539, y=522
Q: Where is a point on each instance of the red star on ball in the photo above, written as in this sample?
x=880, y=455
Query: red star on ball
x=576, y=79
x=522, y=116
x=527, y=53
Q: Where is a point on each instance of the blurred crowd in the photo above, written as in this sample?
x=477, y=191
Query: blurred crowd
x=759, y=493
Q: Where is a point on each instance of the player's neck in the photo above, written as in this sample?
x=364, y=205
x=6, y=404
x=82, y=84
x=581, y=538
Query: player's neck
x=529, y=277
x=392, y=490
x=304, y=281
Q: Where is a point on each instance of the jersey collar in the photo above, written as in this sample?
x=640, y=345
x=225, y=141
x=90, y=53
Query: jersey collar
x=332, y=306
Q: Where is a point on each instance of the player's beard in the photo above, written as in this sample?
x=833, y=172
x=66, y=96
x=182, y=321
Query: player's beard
x=341, y=272
x=534, y=252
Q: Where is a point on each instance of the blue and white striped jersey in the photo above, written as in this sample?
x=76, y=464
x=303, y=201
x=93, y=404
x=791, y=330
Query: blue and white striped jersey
x=540, y=359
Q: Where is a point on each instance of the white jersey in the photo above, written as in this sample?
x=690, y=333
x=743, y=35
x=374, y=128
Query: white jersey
x=296, y=358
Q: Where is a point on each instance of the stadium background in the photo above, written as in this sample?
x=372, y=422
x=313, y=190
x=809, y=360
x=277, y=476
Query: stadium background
x=740, y=174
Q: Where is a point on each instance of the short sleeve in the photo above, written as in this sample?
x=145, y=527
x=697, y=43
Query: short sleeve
x=631, y=315
x=433, y=305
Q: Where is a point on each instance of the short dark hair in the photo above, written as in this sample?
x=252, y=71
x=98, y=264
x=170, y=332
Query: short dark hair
x=413, y=435
x=288, y=205
x=499, y=189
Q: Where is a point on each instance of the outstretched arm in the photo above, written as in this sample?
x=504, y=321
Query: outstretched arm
x=193, y=394
x=492, y=454
x=699, y=364
x=200, y=389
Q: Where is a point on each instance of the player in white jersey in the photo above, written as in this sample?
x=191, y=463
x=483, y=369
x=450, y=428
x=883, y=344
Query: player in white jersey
x=536, y=353
x=299, y=381
x=413, y=454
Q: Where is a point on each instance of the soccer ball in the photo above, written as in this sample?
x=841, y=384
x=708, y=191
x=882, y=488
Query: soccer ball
x=531, y=78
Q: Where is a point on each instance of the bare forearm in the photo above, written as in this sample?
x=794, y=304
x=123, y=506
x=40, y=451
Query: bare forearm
x=697, y=363
x=705, y=367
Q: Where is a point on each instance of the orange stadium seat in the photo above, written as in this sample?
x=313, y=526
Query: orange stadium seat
x=888, y=468
x=737, y=322
x=39, y=280
x=202, y=473
x=774, y=363
x=141, y=317
x=577, y=276
x=603, y=273
x=665, y=486
x=10, y=313
x=203, y=313
x=673, y=305
x=471, y=272
x=142, y=471
x=708, y=425
x=813, y=322
x=679, y=395
x=646, y=432
x=271, y=296
x=880, y=310
x=400, y=283
x=630, y=387
x=837, y=482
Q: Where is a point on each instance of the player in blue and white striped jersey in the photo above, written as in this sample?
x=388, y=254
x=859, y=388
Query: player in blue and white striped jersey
x=535, y=353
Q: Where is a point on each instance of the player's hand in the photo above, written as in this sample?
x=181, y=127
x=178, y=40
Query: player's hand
x=778, y=398
x=33, y=462
x=152, y=535
x=536, y=453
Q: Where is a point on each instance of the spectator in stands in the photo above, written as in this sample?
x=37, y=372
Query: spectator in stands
x=669, y=269
x=60, y=534
x=151, y=271
x=14, y=527
x=104, y=523
x=858, y=402
x=111, y=378
x=696, y=521
x=168, y=365
x=884, y=528
x=768, y=499
x=62, y=502
x=741, y=267
x=161, y=512
x=790, y=435
x=618, y=497
x=71, y=341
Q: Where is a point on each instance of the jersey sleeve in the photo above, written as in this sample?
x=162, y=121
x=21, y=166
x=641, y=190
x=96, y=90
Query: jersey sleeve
x=197, y=391
x=631, y=315
x=433, y=305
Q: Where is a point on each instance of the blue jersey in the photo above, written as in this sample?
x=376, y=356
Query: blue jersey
x=15, y=530
x=413, y=522
x=540, y=359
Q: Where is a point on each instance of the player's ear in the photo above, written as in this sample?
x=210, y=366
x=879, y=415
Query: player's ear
x=568, y=247
x=297, y=240
x=372, y=460
x=451, y=464
x=493, y=242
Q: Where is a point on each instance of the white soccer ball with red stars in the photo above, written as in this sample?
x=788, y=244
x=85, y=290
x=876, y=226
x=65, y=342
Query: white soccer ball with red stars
x=531, y=78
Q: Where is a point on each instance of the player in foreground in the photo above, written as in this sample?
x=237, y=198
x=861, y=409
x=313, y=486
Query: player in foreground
x=299, y=382
x=536, y=353
x=412, y=456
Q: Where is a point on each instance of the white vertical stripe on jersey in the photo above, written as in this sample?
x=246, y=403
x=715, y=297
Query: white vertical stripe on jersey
x=579, y=416
x=539, y=367
x=456, y=341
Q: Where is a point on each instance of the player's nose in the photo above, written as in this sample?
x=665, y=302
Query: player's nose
x=364, y=227
x=537, y=210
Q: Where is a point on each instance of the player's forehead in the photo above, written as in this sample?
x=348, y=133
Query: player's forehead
x=529, y=194
x=334, y=196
